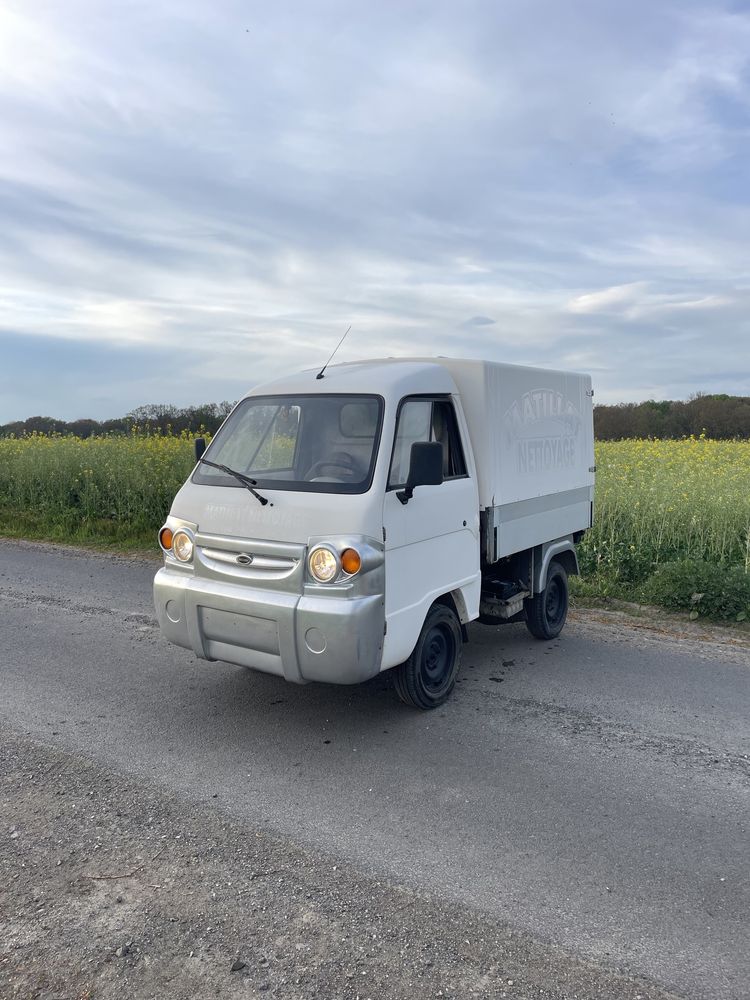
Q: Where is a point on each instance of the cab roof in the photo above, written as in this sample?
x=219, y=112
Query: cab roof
x=380, y=376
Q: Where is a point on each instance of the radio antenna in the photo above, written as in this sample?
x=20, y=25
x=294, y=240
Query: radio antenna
x=320, y=373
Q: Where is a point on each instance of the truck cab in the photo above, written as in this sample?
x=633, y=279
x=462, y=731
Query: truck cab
x=336, y=527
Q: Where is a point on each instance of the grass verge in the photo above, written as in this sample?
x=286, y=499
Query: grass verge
x=691, y=587
x=96, y=534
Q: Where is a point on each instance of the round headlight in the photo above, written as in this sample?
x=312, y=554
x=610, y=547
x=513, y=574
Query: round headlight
x=324, y=565
x=182, y=546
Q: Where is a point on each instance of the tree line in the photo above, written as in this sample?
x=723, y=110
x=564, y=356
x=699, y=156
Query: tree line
x=156, y=418
x=718, y=416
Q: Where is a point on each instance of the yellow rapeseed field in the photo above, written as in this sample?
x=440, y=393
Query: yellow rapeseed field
x=111, y=488
x=658, y=501
x=655, y=500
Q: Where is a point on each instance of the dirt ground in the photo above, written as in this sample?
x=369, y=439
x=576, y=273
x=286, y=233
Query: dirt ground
x=110, y=888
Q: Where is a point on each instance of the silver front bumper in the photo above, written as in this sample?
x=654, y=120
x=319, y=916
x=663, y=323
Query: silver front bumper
x=308, y=637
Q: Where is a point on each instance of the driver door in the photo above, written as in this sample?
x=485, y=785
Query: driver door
x=431, y=542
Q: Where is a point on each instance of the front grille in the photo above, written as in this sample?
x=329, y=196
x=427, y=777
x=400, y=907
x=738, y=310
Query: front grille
x=259, y=563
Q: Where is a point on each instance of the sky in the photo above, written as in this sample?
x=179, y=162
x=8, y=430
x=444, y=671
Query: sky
x=197, y=197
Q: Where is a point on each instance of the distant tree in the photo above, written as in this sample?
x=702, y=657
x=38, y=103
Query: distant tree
x=152, y=413
x=14, y=429
x=43, y=425
x=82, y=428
x=720, y=416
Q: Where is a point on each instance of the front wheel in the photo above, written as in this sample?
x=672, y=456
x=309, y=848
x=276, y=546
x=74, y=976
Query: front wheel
x=427, y=678
x=546, y=612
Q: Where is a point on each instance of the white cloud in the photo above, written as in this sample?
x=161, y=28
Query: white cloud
x=616, y=298
x=639, y=300
x=674, y=114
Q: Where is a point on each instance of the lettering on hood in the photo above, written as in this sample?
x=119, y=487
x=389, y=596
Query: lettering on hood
x=542, y=431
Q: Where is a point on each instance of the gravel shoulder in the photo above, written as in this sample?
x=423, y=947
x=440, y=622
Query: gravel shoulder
x=113, y=888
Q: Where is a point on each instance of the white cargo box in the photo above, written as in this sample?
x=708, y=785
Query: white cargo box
x=532, y=434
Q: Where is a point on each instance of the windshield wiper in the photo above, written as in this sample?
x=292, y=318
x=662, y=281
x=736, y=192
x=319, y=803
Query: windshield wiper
x=245, y=480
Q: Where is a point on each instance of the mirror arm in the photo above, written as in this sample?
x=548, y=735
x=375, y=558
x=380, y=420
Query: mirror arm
x=406, y=494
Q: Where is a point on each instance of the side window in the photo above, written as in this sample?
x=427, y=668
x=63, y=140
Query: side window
x=445, y=430
x=426, y=420
x=414, y=424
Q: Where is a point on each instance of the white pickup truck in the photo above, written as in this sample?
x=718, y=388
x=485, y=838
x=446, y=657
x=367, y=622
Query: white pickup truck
x=354, y=522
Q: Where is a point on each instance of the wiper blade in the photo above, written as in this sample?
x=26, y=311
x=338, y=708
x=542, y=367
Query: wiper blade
x=241, y=478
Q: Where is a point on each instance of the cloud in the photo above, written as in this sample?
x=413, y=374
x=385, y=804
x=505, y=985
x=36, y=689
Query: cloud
x=683, y=115
x=233, y=185
x=608, y=299
x=479, y=321
x=638, y=300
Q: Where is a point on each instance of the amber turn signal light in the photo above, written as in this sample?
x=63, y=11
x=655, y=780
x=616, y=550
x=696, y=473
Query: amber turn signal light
x=351, y=561
x=165, y=539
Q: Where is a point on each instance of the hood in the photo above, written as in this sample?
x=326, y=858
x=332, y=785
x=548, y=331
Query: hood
x=295, y=516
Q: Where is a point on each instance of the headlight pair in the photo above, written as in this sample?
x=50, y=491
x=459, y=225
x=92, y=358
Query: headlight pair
x=326, y=564
x=179, y=543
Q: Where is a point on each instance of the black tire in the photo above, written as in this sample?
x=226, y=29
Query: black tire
x=546, y=612
x=427, y=678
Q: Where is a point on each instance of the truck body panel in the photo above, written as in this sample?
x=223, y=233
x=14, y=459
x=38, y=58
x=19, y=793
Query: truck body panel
x=531, y=432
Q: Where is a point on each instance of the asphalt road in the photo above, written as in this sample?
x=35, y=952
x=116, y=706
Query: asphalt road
x=593, y=791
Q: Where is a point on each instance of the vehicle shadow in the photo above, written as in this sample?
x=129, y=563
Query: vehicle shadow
x=231, y=703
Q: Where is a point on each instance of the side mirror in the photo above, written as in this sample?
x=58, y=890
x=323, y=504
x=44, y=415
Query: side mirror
x=200, y=446
x=425, y=468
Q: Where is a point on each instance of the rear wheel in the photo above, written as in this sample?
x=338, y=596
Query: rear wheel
x=546, y=612
x=427, y=678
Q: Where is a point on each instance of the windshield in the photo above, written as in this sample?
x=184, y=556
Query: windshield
x=320, y=444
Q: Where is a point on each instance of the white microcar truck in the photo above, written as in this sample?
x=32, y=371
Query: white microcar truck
x=356, y=520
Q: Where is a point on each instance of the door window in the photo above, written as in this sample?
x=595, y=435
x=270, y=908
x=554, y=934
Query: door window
x=426, y=420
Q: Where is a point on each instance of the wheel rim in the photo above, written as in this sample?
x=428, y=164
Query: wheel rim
x=554, y=604
x=438, y=656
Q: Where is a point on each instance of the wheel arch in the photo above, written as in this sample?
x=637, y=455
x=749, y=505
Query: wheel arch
x=454, y=600
x=563, y=551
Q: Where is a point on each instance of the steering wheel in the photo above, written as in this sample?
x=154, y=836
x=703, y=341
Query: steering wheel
x=341, y=460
